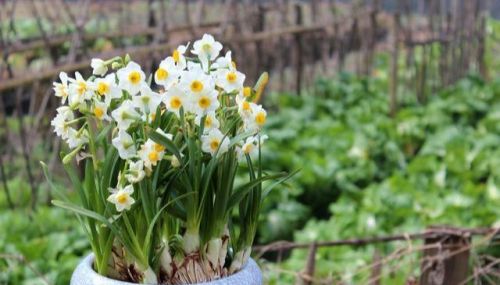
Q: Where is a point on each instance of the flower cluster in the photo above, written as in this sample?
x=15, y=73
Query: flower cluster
x=171, y=140
x=125, y=99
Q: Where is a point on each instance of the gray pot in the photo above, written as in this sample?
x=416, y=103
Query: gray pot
x=84, y=274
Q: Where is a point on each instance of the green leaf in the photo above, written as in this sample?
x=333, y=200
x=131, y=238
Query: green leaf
x=243, y=190
x=270, y=187
x=81, y=211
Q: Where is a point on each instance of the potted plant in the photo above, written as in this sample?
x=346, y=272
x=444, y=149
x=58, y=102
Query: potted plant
x=158, y=198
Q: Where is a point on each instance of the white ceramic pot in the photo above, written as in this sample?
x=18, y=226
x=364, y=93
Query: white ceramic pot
x=84, y=274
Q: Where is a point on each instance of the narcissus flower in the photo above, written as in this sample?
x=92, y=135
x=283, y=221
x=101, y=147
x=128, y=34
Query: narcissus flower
x=79, y=91
x=122, y=198
x=244, y=108
x=131, y=77
x=205, y=102
x=148, y=101
x=106, y=87
x=98, y=66
x=125, y=115
x=61, y=121
x=210, y=122
x=167, y=73
x=229, y=79
x=125, y=145
x=179, y=58
x=207, y=49
x=250, y=146
x=100, y=110
x=214, y=141
x=225, y=62
x=195, y=82
x=61, y=90
x=150, y=153
x=257, y=118
x=175, y=98
x=135, y=172
x=77, y=138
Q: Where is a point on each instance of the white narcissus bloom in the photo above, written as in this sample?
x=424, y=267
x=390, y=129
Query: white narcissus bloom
x=98, y=66
x=79, y=91
x=60, y=121
x=195, y=81
x=61, y=90
x=76, y=138
x=256, y=120
x=229, y=79
x=206, y=49
x=259, y=115
x=131, y=77
x=167, y=73
x=125, y=145
x=135, y=171
x=214, y=141
x=107, y=87
x=175, y=98
x=225, y=62
x=125, y=115
x=122, y=198
x=179, y=58
x=100, y=110
x=150, y=153
x=148, y=101
x=206, y=102
x=211, y=122
x=244, y=108
x=250, y=146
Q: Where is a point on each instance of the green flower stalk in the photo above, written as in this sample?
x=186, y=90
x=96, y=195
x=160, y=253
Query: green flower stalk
x=158, y=195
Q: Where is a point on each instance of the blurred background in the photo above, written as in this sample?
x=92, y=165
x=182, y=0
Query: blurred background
x=391, y=109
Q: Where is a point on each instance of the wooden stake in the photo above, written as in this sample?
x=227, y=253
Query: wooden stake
x=394, y=67
x=449, y=263
x=299, y=48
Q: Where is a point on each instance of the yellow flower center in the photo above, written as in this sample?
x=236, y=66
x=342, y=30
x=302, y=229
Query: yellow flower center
x=153, y=156
x=102, y=88
x=247, y=91
x=208, y=121
x=207, y=47
x=159, y=147
x=122, y=198
x=161, y=74
x=231, y=77
x=247, y=148
x=63, y=91
x=196, y=86
x=204, y=102
x=134, y=77
x=245, y=106
x=260, y=118
x=176, y=55
x=214, y=145
x=82, y=87
x=98, y=112
x=175, y=102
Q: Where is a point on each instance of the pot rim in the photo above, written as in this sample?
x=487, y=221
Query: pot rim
x=86, y=265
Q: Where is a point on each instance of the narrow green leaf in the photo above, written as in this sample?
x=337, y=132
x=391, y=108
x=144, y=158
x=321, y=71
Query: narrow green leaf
x=241, y=191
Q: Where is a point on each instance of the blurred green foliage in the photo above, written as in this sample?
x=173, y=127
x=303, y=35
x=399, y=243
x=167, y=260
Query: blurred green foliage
x=365, y=174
